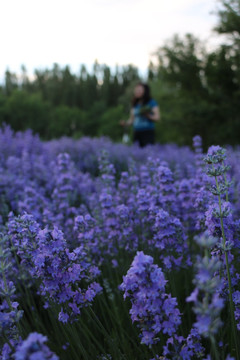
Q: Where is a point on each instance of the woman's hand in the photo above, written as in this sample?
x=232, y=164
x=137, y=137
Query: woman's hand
x=129, y=121
x=122, y=122
x=145, y=110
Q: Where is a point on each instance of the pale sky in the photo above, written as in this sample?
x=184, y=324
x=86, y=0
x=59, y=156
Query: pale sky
x=72, y=32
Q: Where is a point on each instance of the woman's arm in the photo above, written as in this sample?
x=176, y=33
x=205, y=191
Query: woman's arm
x=129, y=121
x=131, y=118
x=154, y=115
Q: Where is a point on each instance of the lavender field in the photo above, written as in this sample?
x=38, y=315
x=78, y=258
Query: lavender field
x=113, y=252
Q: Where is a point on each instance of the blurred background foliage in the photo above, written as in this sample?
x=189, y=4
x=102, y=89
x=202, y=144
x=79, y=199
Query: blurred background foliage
x=198, y=92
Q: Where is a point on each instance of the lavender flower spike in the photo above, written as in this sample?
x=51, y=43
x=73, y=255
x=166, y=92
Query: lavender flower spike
x=34, y=348
x=207, y=302
x=153, y=309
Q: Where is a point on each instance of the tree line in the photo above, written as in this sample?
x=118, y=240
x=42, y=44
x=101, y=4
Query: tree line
x=198, y=92
x=57, y=102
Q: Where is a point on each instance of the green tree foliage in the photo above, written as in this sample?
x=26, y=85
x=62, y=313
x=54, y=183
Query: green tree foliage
x=180, y=90
x=229, y=18
x=198, y=92
x=68, y=121
x=181, y=65
x=2, y=107
x=109, y=123
x=22, y=111
x=11, y=83
x=58, y=103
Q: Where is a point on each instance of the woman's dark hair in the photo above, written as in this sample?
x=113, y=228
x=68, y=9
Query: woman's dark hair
x=146, y=96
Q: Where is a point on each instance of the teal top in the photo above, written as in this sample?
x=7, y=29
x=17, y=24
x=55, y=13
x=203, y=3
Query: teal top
x=141, y=122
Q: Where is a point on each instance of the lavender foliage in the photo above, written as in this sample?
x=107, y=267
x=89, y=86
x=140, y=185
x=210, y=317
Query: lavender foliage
x=73, y=215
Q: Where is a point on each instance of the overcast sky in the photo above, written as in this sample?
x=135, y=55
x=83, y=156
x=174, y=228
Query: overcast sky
x=39, y=33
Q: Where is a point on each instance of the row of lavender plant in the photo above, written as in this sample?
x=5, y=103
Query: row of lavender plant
x=78, y=215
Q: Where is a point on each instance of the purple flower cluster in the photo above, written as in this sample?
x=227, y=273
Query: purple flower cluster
x=170, y=240
x=10, y=315
x=73, y=212
x=180, y=348
x=34, y=348
x=206, y=296
x=60, y=271
x=220, y=222
x=153, y=309
x=236, y=300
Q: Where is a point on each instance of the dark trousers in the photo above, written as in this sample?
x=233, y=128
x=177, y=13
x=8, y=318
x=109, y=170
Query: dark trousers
x=144, y=137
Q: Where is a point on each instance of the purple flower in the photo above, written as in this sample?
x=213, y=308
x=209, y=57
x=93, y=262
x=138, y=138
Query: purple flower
x=63, y=317
x=206, y=295
x=197, y=141
x=34, y=348
x=169, y=239
x=180, y=348
x=152, y=308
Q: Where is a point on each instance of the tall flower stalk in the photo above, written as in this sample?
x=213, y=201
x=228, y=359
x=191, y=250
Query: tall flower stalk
x=9, y=313
x=217, y=169
x=153, y=309
x=206, y=296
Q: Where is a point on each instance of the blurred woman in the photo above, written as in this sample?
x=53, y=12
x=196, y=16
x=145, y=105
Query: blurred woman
x=143, y=115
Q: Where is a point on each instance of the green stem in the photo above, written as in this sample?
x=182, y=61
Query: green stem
x=6, y=289
x=99, y=323
x=214, y=348
x=232, y=307
x=8, y=342
x=228, y=276
x=225, y=179
x=9, y=302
